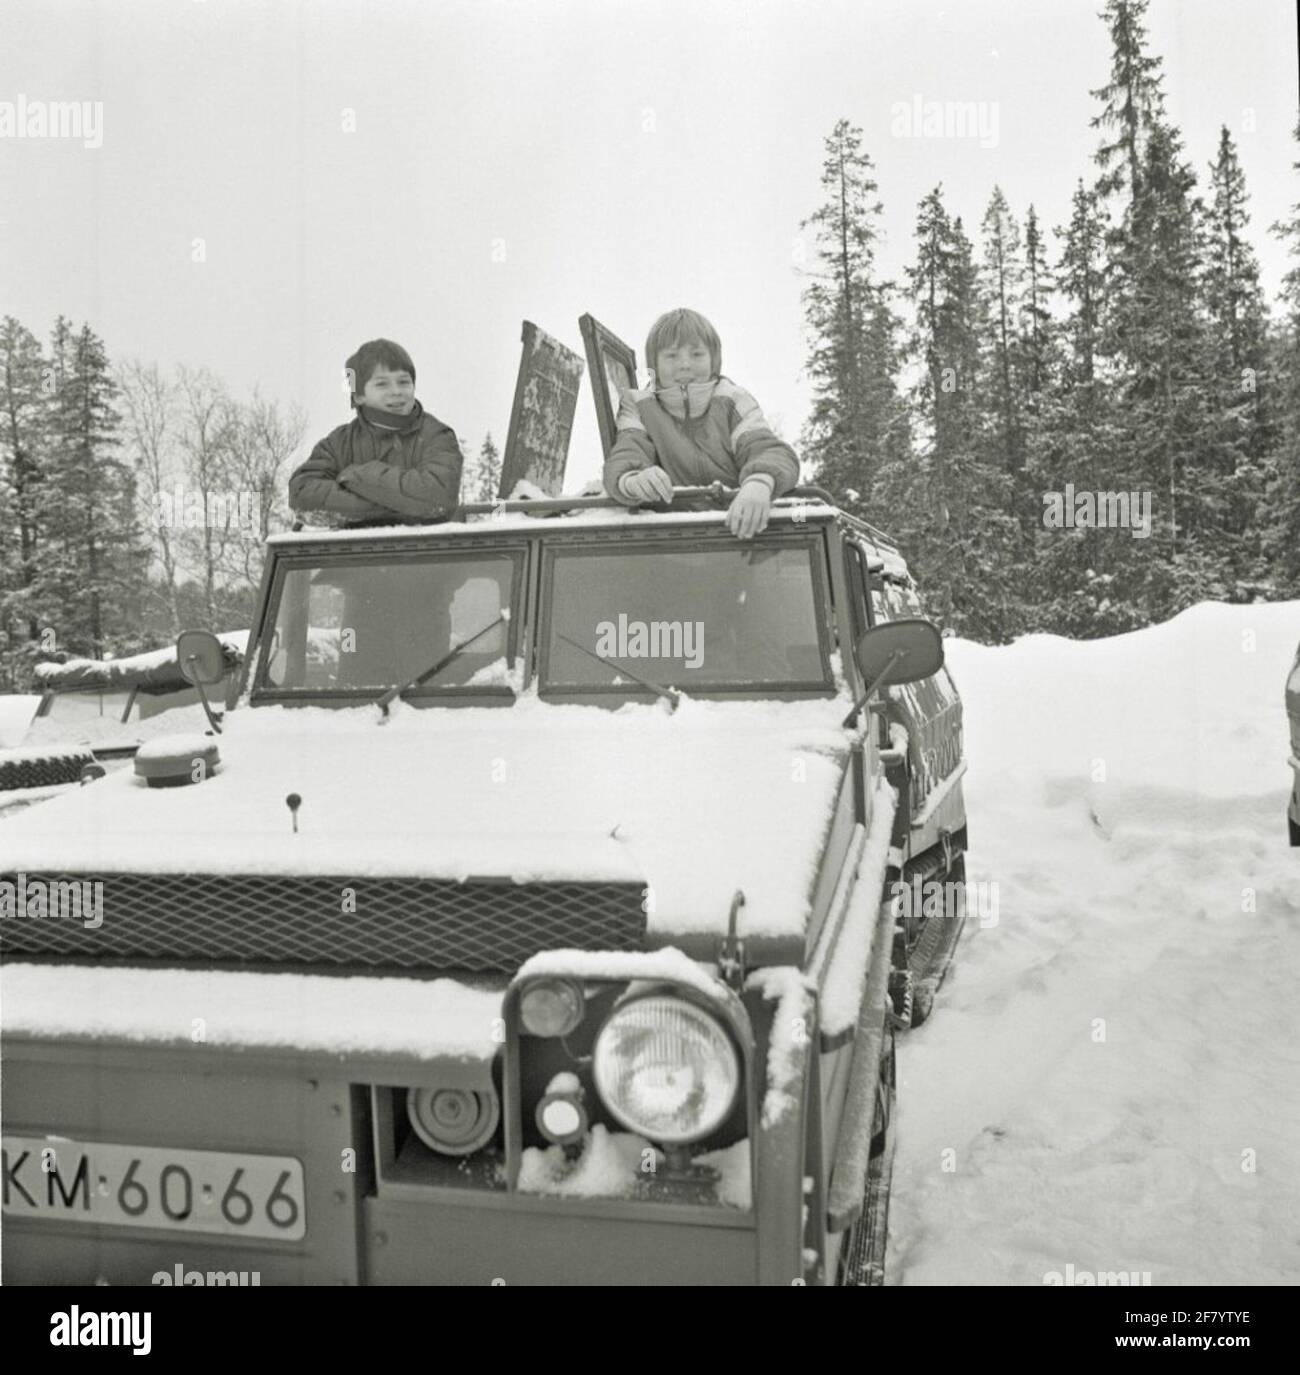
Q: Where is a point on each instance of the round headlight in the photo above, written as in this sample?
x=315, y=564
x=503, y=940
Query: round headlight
x=551, y=1007
x=666, y=1069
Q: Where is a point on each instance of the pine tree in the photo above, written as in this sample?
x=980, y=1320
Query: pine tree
x=1003, y=274
x=487, y=472
x=1134, y=103
x=1038, y=366
x=1071, y=436
x=1156, y=336
x=1080, y=279
x=91, y=564
x=1282, y=537
x=1232, y=289
x=857, y=423
x=25, y=380
x=1034, y=324
x=1240, y=433
x=947, y=504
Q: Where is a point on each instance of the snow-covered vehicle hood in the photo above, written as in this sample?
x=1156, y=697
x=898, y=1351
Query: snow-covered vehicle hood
x=693, y=805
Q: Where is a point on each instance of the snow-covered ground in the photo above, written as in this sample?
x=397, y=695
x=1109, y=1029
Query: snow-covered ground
x=1111, y=1079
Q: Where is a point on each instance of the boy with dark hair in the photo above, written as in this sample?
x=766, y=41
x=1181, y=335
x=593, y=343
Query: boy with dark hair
x=393, y=460
x=692, y=427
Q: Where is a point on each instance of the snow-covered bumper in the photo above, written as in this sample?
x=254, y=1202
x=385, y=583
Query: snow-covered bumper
x=234, y=1124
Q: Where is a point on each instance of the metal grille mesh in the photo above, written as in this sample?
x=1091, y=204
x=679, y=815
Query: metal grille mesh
x=391, y=923
x=65, y=766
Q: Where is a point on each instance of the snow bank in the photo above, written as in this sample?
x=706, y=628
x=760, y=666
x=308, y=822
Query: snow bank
x=1110, y=1078
x=308, y=1012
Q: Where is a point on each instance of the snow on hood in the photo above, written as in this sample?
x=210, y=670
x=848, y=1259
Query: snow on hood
x=691, y=805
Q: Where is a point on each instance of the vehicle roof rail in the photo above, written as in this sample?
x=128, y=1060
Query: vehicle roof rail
x=717, y=491
x=808, y=492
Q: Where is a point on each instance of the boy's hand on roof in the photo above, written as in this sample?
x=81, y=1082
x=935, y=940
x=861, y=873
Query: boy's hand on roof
x=648, y=484
x=342, y=479
x=748, y=512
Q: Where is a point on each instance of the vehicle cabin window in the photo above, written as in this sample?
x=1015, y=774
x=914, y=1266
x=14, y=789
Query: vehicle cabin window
x=859, y=581
x=88, y=704
x=148, y=704
x=354, y=624
x=713, y=617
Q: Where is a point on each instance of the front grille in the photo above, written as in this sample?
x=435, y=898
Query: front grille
x=389, y=923
x=59, y=766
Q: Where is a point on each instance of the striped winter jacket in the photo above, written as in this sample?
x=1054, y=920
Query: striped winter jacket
x=700, y=433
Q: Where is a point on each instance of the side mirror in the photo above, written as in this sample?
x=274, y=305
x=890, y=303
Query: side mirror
x=203, y=662
x=200, y=656
x=902, y=651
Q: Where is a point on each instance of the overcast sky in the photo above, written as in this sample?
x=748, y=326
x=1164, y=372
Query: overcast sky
x=438, y=171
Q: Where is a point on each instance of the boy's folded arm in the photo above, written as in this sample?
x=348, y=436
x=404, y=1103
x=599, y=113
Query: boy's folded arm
x=314, y=487
x=432, y=488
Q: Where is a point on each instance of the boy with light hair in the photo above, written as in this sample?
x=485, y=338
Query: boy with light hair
x=692, y=427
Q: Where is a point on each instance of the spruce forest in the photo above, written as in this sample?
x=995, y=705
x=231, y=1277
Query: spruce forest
x=1030, y=369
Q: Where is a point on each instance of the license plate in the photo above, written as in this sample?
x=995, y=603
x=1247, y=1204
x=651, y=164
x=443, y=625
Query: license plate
x=58, y=1180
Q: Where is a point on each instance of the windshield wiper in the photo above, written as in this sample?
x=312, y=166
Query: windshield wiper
x=670, y=695
x=390, y=696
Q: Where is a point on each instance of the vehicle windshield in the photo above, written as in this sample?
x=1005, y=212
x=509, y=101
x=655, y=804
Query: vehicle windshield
x=151, y=702
x=707, y=618
x=87, y=704
x=357, y=626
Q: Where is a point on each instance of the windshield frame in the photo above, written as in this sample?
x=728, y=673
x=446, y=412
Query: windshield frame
x=261, y=693
x=45, y=710
x=649, y=543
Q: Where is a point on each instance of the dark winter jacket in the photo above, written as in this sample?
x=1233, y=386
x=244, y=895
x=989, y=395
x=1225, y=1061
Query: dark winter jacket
x=364, y=470
x=700, y=433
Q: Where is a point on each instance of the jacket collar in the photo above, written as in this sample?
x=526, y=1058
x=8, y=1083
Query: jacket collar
x=392, y=424
x=688, y=401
